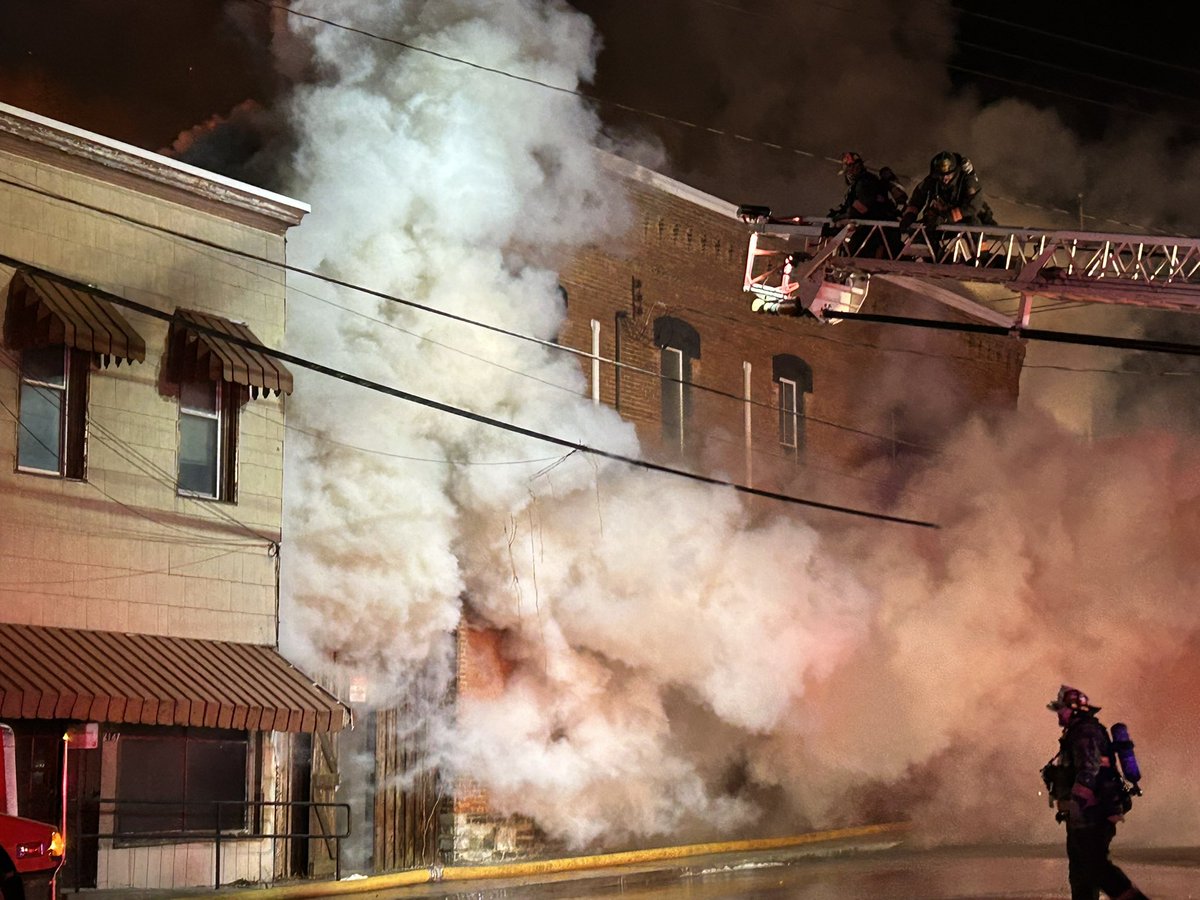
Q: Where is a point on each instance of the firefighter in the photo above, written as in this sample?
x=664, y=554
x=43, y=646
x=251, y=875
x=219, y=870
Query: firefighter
x=1091, y=798
x=949, y=195
x=892, y=183
x=867, y=197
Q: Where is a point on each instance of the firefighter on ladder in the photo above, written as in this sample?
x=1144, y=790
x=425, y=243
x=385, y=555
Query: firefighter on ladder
x=949, y=195
x=867, y=197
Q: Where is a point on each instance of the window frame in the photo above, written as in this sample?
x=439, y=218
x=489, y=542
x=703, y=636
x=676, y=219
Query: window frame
x=788, y=370
x=674, y=397
x=226, y=412
x=161, y=744
x=72, y=414
x=789, y=413
x=679, y=348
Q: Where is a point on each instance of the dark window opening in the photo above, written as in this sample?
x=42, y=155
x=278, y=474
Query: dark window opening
x=171, y=782
x=679, y=345
x=793, y=379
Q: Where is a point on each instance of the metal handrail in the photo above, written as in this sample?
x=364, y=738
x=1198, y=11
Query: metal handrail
x=111, y=806
x=1145, y=270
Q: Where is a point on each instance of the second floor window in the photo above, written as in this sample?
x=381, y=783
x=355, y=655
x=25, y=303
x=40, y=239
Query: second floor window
x=789, y=423
x=679, y=345
x=63, y=330
x=208, y=414
x=217, y=365
x=793, y=380
x=53, y=411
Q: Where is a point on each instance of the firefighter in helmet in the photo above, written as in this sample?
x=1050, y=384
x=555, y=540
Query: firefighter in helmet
x=949, y=195
x=1090, y=794
x=867, y=197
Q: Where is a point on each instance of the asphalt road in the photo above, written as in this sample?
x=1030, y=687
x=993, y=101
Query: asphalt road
x=896, y=874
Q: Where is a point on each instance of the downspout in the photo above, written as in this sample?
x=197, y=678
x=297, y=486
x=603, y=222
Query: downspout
x=618, y=321
x=747, y=408
x=596, y=361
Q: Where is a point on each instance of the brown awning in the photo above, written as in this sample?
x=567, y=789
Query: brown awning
x=107, y=676
x=45, y=310
x=200, y=355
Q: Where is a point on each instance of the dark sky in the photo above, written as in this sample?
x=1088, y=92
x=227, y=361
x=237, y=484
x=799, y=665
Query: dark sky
x=895, y=79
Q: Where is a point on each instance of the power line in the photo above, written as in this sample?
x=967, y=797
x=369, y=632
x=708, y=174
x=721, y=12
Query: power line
x=1033, y=334
x=479, y=418
x=1071, y=40
x=392, y=298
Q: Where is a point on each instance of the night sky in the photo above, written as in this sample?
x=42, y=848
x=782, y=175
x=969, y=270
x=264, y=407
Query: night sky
x=895, y=80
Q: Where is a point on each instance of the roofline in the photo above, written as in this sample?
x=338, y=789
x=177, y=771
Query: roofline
x=88, y=147
x=637, y=172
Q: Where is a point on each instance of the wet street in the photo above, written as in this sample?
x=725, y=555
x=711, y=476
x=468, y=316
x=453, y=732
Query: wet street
x=887, y=875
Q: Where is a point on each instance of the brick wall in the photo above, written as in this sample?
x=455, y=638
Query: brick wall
x=686, y=260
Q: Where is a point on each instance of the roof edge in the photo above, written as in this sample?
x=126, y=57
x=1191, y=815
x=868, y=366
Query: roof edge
x=155, y=167
x=637, y=172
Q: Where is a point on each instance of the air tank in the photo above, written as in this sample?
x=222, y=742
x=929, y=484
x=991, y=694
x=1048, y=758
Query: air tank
x=1123, y=748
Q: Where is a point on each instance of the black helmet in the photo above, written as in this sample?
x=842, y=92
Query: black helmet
x=945, y=163
x=852, y=164
x=1070, y=698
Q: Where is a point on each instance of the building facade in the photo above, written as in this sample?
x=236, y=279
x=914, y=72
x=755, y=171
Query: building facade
x=781, y=404
x=141, y=481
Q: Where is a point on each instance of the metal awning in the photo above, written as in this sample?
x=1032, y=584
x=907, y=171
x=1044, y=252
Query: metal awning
x=45, y=310
x=206, y=356
x=108, y=676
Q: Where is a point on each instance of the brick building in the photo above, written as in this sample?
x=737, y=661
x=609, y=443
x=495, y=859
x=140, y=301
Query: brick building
x=141, y=477
x=777, y=403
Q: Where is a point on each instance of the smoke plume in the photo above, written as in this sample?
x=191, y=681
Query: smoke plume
x=678, y=667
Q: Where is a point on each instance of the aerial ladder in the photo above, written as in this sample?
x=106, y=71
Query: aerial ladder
x=812, y=266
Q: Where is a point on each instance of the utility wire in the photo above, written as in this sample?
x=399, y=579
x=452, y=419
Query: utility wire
x=311, y=365
x=1139, y=57
x=720, y=132
x=1034, y=334
x=392, y=298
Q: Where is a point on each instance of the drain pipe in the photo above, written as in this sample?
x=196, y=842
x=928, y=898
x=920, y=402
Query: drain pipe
x=747, y=421
x=618, y=321
x=596, y=361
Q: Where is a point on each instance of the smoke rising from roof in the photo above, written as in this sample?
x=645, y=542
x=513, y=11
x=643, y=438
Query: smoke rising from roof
x=678, y=668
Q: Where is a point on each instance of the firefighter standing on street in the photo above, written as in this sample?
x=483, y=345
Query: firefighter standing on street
x=949, y=195
x=1091, y=798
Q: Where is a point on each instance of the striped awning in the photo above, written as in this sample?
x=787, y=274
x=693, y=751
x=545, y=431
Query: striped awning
x=205, y=355
x=108, y=676
x=45, y=310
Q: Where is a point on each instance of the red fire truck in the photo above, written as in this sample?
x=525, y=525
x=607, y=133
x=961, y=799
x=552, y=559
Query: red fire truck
x=30, y=852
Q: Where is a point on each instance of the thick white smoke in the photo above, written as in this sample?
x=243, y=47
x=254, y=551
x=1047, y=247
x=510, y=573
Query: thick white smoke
x=680, y=668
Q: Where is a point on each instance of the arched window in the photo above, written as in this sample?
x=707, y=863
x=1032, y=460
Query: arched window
x=793, y=379
x=679, y=344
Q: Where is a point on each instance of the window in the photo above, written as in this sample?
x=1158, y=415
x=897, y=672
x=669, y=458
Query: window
x=793, y=379
x=53, y=411
x=62, y=329
x=674, y=396
x=789, y=430
x=208, y=430
x=171, y=780
x=217, y=365
x=679, y=345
